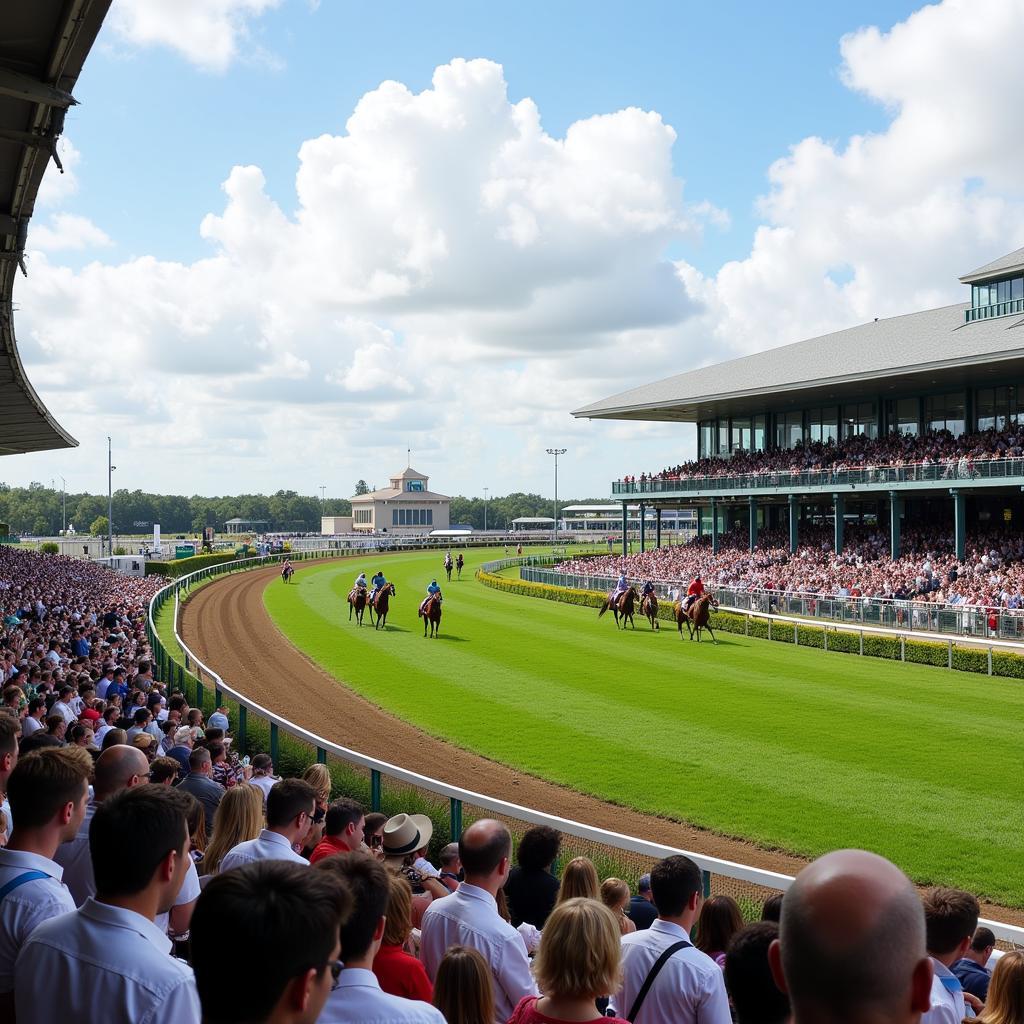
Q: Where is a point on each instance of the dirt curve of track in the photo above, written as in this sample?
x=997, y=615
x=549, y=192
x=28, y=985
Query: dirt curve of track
x=227, y=626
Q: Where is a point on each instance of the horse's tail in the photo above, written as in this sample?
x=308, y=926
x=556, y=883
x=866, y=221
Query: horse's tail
x=604, y=608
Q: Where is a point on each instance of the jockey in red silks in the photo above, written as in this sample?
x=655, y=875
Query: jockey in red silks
x=695, y=590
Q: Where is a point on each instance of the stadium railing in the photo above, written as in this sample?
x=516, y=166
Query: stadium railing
x=961, y=471
x=857, y=613
x=389, y=787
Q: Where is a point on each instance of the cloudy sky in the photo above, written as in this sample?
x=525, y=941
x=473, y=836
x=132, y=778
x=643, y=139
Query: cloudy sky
x=296, y=238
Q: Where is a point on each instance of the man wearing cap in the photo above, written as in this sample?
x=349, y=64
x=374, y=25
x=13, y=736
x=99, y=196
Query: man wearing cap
x=405, y=842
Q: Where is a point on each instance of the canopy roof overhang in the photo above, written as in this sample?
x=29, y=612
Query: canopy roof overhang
x=43, y=45
x=929, y=351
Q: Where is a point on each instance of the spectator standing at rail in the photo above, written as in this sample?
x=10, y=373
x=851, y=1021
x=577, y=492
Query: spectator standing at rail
x=951, y=918
x=290, y=807
x=290, y=920
x=971, y=968
x=343, y=829
x=108, y=955
x=201, y=786
x=531, y=888
x=49, y=791
x=642, y=911
x=451, y=868
x=665, y=980
x=469, y=917
x=851, y=943
x=263, y=777
x=756, y=999
x=358, y=997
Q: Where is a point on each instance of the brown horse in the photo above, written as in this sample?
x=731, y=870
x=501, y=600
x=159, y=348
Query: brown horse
x=649, y=606
x=380, y=605
x=430, y=610
x=622, y=607
x=357, y=604
x=696, y=617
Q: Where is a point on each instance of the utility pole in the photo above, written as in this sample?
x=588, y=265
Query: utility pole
x=554, y=526
x=63, y=505
x=110, y=501
x=486, y=489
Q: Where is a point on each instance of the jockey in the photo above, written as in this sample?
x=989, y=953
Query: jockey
x=695, y=590
x=648, y=589
x=360, y=583
x=432, y=591
x=459, y=561
x=620, y=588
x=378, y=582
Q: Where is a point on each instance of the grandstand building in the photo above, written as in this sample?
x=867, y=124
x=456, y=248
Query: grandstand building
x=959, y=368
x=408, y=506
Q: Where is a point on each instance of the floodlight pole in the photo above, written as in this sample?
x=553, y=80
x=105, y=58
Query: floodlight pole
x=110, y=501
x=554, y=526
x=63, y=505
x=486, y=489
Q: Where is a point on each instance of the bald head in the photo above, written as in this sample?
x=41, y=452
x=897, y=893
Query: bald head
x=117, y=768
x=852, y=942
x=484, y=848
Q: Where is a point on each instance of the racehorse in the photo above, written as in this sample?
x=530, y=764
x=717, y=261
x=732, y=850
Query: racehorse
x=459, y=563
x=448, y=566
x=357, y=601
x=696, y=617
x=622, y=607
x=380, y=605
x=287, y=573
x=649, y=606
x=431, y=612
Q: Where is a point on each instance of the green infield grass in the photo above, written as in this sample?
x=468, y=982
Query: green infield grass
x=794, y=749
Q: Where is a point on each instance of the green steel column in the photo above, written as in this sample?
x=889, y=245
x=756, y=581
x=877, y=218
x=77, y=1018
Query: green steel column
x=895, y=511
x=375, y=797
x=657, y=528
x=794, y=525
x=455, y=819
x=700, y=523
x=625, y=531
x=643, y=527
x=839, y=501
x=242, y=725
x=714, y=526
x=959, y=522
x=752, y=502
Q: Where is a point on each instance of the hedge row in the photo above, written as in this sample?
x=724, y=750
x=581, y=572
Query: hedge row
x=181, y=566
x=920, y=652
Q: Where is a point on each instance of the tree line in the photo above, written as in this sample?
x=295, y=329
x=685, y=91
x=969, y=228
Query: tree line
x=37, y=510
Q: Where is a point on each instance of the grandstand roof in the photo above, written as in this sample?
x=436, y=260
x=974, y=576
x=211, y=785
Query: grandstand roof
x=1007, y=264
x=43, y=45
x=918, y=350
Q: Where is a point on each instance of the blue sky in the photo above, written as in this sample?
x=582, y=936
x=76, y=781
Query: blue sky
x=271, y=295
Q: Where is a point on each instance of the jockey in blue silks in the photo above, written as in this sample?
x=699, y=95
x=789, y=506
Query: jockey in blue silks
x=620, y=588
x=432, y=590
x=378, y=582
x=360, y=583
x=648, y=589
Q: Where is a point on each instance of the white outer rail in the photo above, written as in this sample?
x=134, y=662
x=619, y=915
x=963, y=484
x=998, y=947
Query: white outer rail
x=715, y=865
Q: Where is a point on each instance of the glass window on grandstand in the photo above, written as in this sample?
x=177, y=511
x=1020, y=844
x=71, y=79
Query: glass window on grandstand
x=412, y=517
x=741, y=435
x=945, y=412
x=823, y=424
x=760, y=430
x=789, y=429
x=364, y=515
x=723, y=436
x=902, y=416
x=997, y=408
x=707, y=439
x=860, y=418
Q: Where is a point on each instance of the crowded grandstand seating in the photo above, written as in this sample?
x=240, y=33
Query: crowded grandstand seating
x=136, y=833
x=896, y=450
x=991, y=575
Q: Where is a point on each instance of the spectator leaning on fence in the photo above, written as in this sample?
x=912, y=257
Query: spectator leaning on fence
x=108, y=956
x=469, y=917
x=287, y=956
x=358, y=998
x=531, y=888
x=851, y=943
x=642, y=911
x=687, y=988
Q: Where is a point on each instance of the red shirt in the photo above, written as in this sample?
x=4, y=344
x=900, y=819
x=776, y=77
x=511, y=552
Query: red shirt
x=402, y=975
x=696, y=587
x=527, y=1013
x=327, y=846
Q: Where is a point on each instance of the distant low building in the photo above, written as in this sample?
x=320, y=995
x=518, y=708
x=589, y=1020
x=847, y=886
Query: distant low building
x=408, y=506
x=331, y=526
x=239, y=525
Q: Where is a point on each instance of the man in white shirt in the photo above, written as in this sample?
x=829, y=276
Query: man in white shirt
x=950, y=919
x=10, y=730
x=219, y=719
x=851, y=943
x=469, y=917
x=33, y=721
x=291, y=804
x=62, y=705
x=290, y=957
x=48, y=791
x=357, y=995
x=688, y=987
x=107, y=956
x=117, y=768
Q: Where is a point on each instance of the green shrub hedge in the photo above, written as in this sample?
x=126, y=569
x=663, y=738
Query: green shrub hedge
x=172, y=570
x=919, y=652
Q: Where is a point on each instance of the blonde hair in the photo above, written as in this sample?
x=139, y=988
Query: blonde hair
x=399, y=913
x=614, y=892
x=580, y=951
x=579, y=879
x=1005, y=1002
x=238, y=818
x=318, y=776
x=463, y=991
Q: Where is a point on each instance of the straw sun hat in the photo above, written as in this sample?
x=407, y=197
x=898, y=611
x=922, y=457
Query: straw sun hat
x=405, y=834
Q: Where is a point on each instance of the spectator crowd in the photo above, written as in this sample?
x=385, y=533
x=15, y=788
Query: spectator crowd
x=148, y=875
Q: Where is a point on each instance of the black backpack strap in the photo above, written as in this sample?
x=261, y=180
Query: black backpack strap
x=652, y=974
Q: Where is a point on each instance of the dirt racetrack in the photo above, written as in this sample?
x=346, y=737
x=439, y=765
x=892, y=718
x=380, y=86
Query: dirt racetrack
x=227, y=626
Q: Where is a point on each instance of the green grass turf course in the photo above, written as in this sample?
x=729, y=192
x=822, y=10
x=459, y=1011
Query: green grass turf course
x=795, y=749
